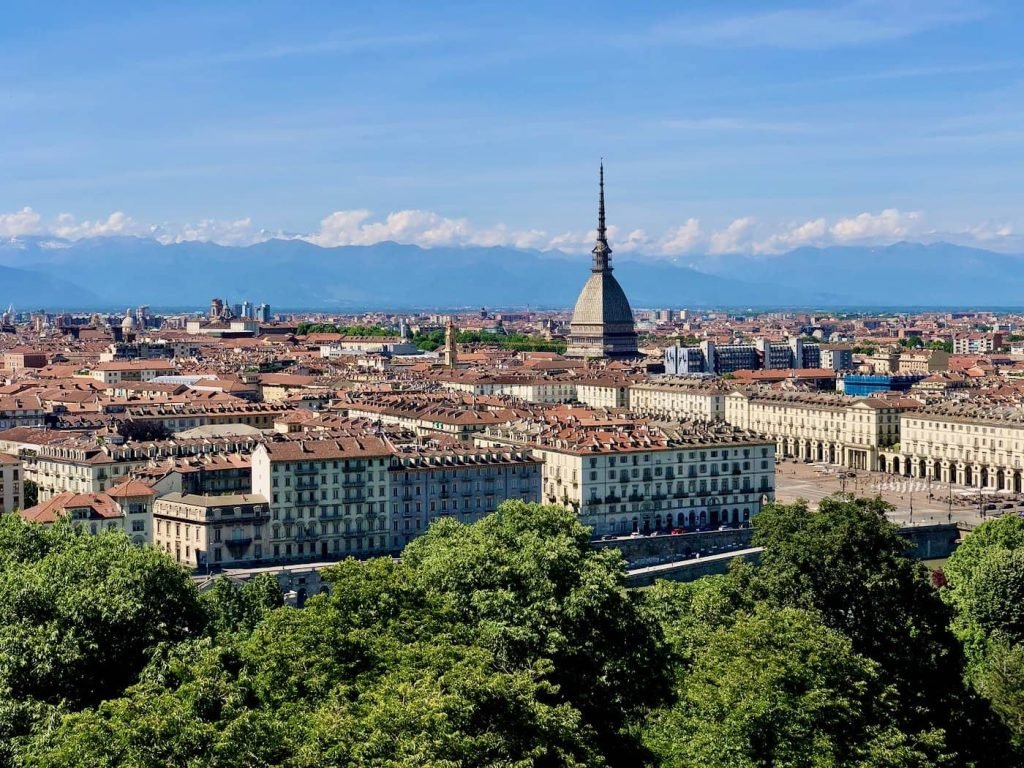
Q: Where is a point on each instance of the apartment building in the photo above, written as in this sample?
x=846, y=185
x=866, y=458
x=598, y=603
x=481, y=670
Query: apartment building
x=328, y=497
x=977, y=343
x=11, y=483
x=212, y=531
x=680, y=398
x=21, y=411
x=837, y=357
x=116, y=371
x=88, y=465
x=429, y=414
x=603, y=393
x=819, y=426
x=632, y=475
x=465, y=484
x=535, y=389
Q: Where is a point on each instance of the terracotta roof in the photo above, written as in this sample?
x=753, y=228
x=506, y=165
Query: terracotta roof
x=100, y=506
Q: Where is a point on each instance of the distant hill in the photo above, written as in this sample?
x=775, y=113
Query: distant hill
x=902, y=274
x=29, y=289
x=293, y=273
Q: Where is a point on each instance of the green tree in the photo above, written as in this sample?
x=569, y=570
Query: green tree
x=849, y=564
x=538, y=595
x=79, y=614
x=984, y=583
x=777, y=687
x=233, y=608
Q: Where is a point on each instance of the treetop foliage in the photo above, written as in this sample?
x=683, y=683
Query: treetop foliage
x=514, y=642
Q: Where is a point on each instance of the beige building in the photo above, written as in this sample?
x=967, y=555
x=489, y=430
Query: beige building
x=970, y=444
x=603, y=393
x=85, y=465
x=819, y=426
x=115, y=372
x=328, y=497
x=11, y=483
x=679, y=398
x=212, y=531
x=634, y=476
x=924, y=361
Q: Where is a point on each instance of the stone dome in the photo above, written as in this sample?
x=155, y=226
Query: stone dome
x=128, y=324
x=602, y=302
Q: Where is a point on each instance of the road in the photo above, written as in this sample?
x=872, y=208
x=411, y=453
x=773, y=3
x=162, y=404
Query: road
x=804, y=481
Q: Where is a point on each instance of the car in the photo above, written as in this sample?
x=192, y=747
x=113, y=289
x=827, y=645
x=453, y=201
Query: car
x=677, y=531
x=635, y=533
x=607, y=537
x=725, y=527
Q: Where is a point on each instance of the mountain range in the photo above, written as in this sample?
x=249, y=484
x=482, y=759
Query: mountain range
x=114, y=271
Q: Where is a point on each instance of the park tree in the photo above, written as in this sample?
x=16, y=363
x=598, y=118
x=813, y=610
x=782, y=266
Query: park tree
x=774, y=686
x=539, y=596
x=984, y=583
x=239, y=608
x=850, y=565
x=79, y=614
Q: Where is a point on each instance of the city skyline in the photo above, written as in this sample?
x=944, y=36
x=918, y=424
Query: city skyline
x=756, y=129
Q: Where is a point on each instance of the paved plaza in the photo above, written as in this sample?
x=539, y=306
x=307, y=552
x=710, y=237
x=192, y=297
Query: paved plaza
x=930, y=502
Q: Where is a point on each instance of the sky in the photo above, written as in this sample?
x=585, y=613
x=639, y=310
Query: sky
x=747, y=127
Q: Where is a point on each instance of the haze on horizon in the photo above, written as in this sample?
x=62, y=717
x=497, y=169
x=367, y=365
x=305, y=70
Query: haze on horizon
x=754, y=128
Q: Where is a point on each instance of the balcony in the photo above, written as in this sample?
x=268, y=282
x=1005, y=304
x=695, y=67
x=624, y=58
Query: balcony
x=353, y=482
x=612, y=499
x=306, y=471
x=306, y=485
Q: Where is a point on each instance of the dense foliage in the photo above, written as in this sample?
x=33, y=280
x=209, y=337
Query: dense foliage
x=306, y=328
x=517, y=342
x=514, y=642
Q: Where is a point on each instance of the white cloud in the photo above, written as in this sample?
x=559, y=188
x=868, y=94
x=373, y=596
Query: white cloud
x=889, y=224
x=683, y=239
x=808, y=233
x=430, y=229
x=117, y=223
x=412, y=226
x=990, y=231
x=239, y=232
x=20, y=223
x=736, y=238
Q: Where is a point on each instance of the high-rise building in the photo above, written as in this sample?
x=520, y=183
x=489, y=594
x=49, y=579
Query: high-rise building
x=246, y=310
x=263, y=313
x=602, y=322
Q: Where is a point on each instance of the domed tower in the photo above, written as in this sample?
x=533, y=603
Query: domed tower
x=128, y=326
x=602, y=322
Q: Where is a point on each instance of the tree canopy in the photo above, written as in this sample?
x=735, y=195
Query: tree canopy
x=514, y=642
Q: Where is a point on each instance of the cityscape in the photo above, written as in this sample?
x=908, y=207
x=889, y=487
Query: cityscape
x=414, y=490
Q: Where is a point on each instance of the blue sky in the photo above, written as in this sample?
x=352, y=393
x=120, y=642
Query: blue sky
x=746, y=126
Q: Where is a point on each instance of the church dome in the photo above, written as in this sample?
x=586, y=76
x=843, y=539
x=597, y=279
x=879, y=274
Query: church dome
x=128, y=324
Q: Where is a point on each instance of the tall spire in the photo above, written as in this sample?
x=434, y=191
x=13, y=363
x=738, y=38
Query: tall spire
x=602, y=251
